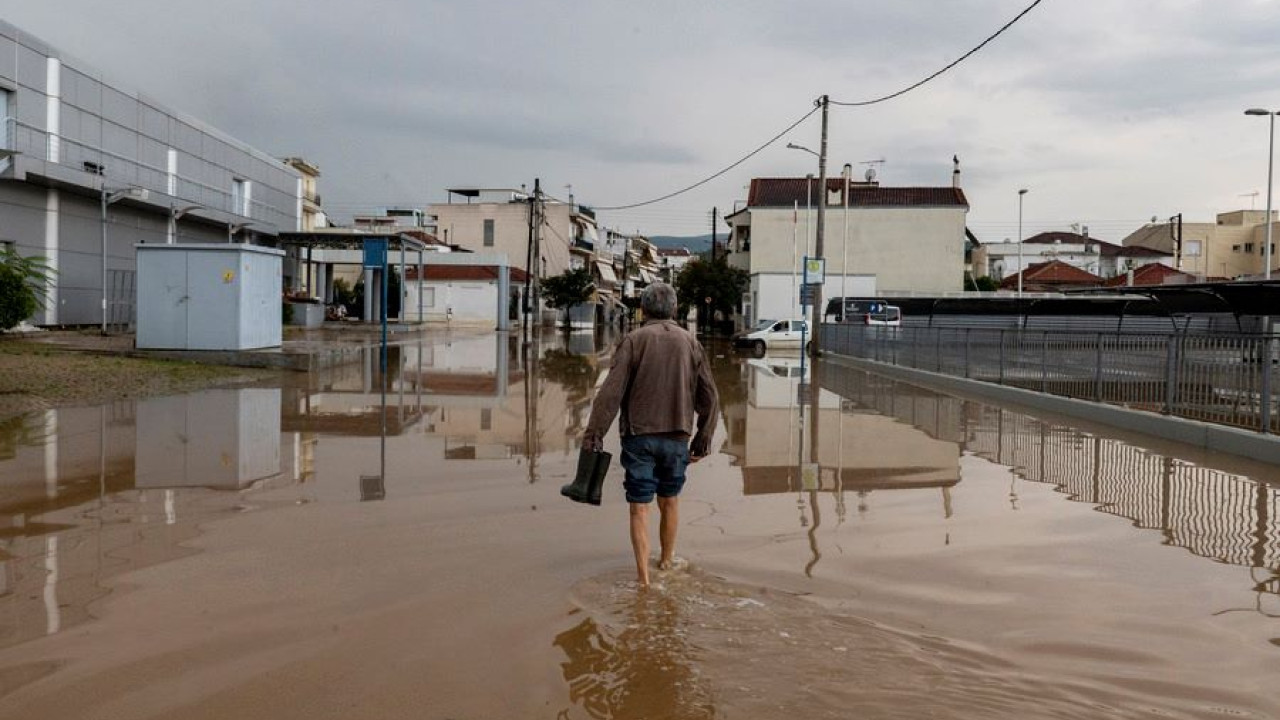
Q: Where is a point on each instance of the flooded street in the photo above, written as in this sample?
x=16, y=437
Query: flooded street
x=325, y=549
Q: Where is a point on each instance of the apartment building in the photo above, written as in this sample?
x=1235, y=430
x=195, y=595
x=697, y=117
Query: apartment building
x=90, y=167
x=1230, y=247
x=877, y=240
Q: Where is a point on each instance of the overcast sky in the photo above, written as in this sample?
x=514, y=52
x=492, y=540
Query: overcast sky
x=1108, y=111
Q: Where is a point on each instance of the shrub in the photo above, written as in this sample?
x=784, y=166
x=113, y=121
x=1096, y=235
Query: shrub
x=24, y=285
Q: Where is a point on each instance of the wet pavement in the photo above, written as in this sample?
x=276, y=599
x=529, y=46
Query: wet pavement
x=360, y=543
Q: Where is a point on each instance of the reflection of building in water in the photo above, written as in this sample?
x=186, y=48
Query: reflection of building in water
x=215, y=438
x=87, y=494
x=856, y=450
x=1212, y=513
x=348, y=399
x=518, y=405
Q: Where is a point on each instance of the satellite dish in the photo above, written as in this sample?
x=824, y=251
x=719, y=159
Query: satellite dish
x=871, y=174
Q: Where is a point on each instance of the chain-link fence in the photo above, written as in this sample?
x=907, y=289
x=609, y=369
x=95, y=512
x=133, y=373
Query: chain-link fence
x=1227, y=379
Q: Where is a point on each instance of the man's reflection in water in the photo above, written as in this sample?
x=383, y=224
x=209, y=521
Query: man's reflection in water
x=645, y=670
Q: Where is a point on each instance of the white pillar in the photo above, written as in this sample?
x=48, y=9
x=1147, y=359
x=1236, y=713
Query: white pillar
x=53, y=109
x=52, y=215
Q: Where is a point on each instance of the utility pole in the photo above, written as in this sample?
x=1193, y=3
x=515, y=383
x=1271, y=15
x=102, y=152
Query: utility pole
x=537, y=251
x=1175, y=231
x=815, y=369
x=714, y=217
x=528, y=277
x=821, y=229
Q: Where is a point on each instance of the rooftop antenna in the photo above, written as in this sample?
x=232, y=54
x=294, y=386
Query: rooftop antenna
x=1253, y=198
x=872, y=169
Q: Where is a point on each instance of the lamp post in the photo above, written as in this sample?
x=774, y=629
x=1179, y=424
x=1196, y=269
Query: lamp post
x=808, y=198
x=1021, y=193
x=1271, y=146
x=110, y=197
x=846, y=176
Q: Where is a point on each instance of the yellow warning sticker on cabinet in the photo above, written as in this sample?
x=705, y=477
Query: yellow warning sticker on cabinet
x=228, y=276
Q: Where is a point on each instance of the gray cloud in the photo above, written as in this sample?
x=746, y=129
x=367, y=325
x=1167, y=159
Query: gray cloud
x=1111, y=110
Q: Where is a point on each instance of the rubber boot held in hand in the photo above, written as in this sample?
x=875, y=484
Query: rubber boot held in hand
x=588, y=481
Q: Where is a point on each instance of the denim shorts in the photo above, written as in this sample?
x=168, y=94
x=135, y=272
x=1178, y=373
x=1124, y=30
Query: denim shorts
x=653, y=464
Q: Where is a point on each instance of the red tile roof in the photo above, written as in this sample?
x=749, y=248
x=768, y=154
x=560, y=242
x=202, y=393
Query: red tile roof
x=473, y=273
x=786, y=192
x=1104, y=247
x=425, y=237
x=1051, y=274
x=1149, y=274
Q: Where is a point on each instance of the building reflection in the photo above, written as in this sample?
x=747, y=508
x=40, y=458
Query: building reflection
x=1224, y=516
x=87, y=494
x=857, y=450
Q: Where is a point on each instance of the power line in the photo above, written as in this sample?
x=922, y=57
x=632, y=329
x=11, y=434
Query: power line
x=957, y=61
x=706, y=180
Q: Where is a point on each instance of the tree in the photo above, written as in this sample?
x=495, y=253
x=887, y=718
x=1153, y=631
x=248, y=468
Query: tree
x=985, y=283
x=24, y=285
x=715, y=279
x=573, y=287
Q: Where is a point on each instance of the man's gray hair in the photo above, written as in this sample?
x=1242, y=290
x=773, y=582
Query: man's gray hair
x=658, y=301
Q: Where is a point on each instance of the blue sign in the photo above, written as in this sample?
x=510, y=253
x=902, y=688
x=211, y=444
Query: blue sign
x=375, y=252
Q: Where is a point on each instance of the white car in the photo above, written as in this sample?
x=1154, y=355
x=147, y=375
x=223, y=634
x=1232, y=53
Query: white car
x=773, y=334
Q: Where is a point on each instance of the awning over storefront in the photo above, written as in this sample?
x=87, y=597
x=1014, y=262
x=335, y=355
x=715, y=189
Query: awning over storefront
x=606, y=272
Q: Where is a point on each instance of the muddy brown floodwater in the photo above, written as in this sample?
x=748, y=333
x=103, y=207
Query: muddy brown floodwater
x=325, y=549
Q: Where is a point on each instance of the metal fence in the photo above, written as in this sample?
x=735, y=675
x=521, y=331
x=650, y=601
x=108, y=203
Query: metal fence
x=1226, y=379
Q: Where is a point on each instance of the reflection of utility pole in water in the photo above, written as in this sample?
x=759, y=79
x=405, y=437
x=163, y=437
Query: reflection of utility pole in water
x=531, y=444
x=374, y=487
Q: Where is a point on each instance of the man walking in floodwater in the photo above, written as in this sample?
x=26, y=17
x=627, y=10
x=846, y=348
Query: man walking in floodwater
x=660, y=379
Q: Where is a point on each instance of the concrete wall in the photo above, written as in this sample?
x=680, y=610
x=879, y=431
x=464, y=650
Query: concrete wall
x=886, y=242
x=75, y=131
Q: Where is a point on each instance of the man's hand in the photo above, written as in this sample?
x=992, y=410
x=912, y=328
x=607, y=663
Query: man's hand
x=592, y=442
x=698, y=447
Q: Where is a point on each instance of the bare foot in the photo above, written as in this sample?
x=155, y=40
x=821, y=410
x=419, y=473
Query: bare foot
x=674, y=562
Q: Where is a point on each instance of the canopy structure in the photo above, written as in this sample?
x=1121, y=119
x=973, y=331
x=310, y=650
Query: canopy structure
x=302, y=246
x=1192, y=307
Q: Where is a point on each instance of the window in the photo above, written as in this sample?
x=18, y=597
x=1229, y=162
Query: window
x=486, y=419
x=1235, y=248
x=240, y=200
x=797, y=326
x=1191, y=248
x=1248, y=247
x=488, y=232
x=6, y=117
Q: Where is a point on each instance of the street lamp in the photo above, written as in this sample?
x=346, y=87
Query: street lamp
x=234, y=227
x=1271, y=146
x=110, y=197
x=808, y=203
x=1022, y=192
x=793, y=146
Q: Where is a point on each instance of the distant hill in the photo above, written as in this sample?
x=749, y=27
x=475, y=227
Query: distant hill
x=696, y=243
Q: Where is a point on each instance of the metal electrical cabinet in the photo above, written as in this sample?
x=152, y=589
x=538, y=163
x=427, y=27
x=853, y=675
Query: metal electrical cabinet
x=209, y=297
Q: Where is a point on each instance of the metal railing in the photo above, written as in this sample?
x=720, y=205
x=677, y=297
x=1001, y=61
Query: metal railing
x=122, y=170
x=1225, y=379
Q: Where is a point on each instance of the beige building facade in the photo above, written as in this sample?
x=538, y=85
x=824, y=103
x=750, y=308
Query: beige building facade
x=1231, y=247
x=877, y=240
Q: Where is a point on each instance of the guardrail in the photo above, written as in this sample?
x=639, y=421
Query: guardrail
x=1225, y=379
x=122, y=170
